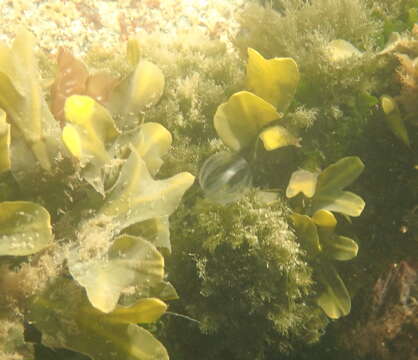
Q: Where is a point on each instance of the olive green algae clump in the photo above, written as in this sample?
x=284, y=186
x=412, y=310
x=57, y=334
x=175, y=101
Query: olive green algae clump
x=251, y=285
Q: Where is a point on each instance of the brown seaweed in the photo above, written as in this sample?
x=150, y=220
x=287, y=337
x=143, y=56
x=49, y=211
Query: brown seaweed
x=73, y=79
x=389, y=326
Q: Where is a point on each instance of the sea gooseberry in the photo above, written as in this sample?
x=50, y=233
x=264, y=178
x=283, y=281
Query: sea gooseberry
x=224, y=177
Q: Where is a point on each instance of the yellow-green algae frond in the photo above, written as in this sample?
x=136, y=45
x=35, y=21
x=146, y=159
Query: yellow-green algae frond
x=316, y=227
x=247, y=114
x=104, y=273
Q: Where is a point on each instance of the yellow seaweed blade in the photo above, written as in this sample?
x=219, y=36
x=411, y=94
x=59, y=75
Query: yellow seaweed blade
x=10, y=99
x=276, y=137
x=133, y=51
x=147, y=86
x=144, y=345
x=25, y=228
x=302, y=181
x=6, y=61
x=326, y=223
x=85, y=111
x=152, y=142
x=90, y=128
x=342, y=248
x=144, y=311
x=155, y=230
x=307, y=233
x=91, y=332
x=130, y=262
x=239, y=120
x=137, y=197
x=335, y=300
x=4, y=142
x=344, y=202
x=394, y=119
x=18, y=109
x=324, y=218
x=339, y=175
x=24, y=58
x=21, y=97
x=72, y=140
x=274, y=80
x=79, y=109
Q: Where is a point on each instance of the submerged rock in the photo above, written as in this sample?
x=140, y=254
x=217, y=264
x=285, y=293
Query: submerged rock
x=388, y=327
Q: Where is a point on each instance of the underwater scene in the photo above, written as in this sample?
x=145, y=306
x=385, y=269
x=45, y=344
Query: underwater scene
x=208, y=179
